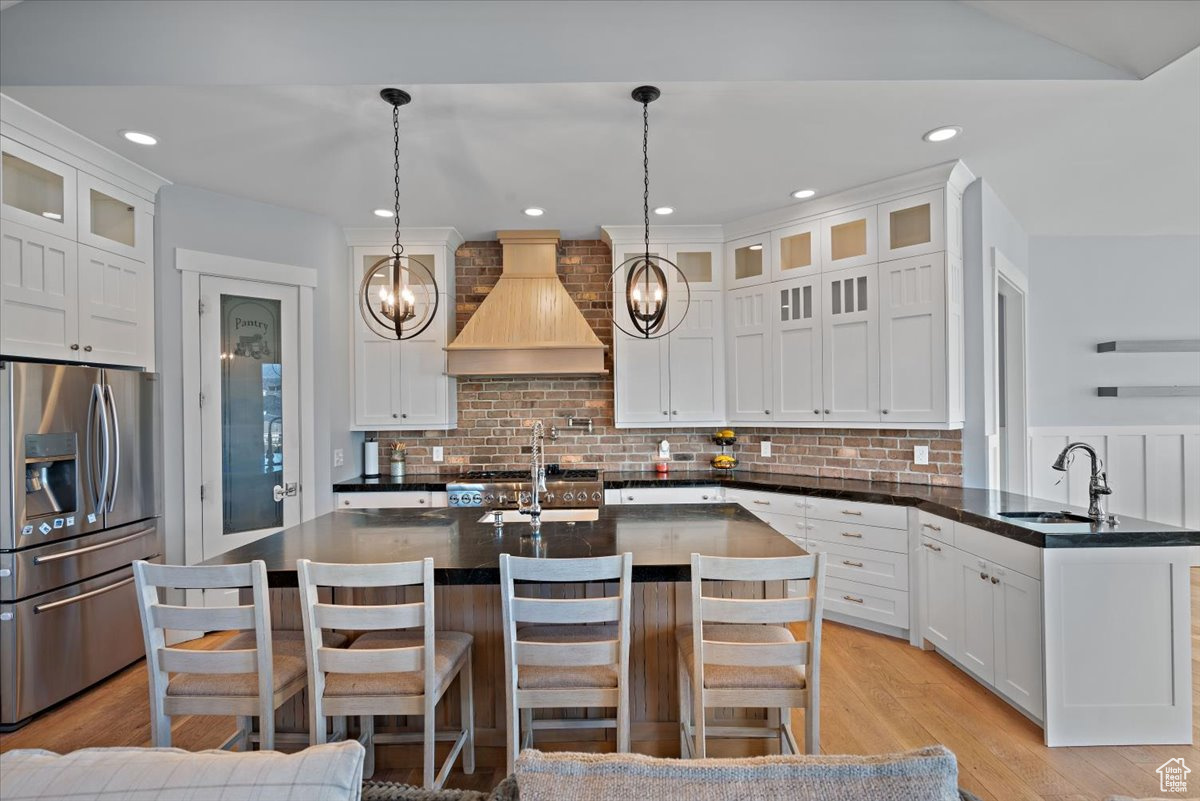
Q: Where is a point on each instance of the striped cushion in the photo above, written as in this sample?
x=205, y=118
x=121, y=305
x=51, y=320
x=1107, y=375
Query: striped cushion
x=729, y=677
x=926, y=774
x=331, y=772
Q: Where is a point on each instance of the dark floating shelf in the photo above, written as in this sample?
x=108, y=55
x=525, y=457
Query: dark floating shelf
x=1150, y=346
x=1149, y=392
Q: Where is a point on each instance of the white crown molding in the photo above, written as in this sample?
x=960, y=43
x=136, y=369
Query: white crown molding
x=43, y=134
x=373, y=237
x=952, y=173
x=623, y=234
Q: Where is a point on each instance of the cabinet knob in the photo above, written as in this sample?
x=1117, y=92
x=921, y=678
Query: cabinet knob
x=75, y=346
x=87, y=348
x=768, y=411
x=665, y=411
x=673, y=411
x=394, y=415
x=885, y=411
x=816, y=411
x=826, y=411
x=995, y=580
x=983, y=576
x=405, y=415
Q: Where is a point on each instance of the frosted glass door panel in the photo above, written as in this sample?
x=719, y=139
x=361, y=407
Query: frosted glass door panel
x=701, y=264
x=912, y=226
x=797, y=251
x=111, y=218
x=848, y=239
x=37, y=190
x=747, y=260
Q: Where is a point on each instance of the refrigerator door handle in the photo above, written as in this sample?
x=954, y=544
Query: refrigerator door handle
x=95, y=492
x=111, y=402
x=102, y=415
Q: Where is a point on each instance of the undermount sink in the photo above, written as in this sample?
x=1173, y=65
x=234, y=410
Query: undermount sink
x=1061, y=518
x=548, y=516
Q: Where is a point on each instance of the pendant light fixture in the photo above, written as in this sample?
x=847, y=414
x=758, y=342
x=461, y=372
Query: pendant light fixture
x=647, y=277
x=398, y=296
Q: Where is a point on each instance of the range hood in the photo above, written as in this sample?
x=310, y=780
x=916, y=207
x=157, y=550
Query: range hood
x=528, y=324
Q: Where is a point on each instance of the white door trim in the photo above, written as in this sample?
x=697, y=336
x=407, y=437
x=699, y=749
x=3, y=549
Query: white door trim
x=1002, y=269
x=192, y=264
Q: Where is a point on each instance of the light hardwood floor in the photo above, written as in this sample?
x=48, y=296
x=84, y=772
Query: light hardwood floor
x=879, y=695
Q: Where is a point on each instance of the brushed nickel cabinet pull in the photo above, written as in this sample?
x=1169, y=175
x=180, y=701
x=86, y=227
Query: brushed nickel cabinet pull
x=852, y=564
x=932, y=527
x=932, y=547
x=851, y=512
x=762, y=503
x=853, y=599
x=853, y=534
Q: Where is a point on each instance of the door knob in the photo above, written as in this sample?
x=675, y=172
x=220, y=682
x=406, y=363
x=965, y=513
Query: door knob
x=277, y=493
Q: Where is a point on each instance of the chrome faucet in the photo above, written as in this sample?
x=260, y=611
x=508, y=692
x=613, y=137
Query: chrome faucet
x=537, y=477
x=1098, y=485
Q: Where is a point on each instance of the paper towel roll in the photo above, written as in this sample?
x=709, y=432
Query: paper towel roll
x=371, y=459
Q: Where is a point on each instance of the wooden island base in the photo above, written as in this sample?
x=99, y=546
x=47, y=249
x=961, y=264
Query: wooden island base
x=657, y=607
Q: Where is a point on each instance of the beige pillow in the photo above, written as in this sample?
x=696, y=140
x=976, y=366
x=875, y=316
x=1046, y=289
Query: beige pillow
x=331, y=772
x=926, y=774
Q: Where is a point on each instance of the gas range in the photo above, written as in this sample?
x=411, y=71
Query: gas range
x=498, y=489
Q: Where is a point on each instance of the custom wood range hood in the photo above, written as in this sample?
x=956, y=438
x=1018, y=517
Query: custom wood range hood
x=527, y=324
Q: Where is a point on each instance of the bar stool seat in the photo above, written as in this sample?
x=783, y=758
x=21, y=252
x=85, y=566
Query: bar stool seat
x=775, y=677
x=449, y=648
x=287, y=641
x=532, y=677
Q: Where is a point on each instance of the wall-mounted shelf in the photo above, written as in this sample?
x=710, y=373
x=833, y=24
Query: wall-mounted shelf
x=1150, y=346
x=1149, y=392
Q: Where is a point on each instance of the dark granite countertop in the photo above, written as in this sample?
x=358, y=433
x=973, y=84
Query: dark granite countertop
x=412, y=482
x=974, y=507
x=465, y=551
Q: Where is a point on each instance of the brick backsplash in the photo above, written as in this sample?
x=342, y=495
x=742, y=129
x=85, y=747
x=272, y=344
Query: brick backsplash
x=494, y=414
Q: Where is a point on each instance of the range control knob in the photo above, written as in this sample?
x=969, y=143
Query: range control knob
x=526, y=497
x=568, y=496
x=596, y=496
x=489, y=497
x=452, y=498
x=477, y=499
x=549, y=496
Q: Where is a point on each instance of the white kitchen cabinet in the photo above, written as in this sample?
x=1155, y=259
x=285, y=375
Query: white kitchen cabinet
x=912, y=226
x=796, y=251
x=696, y=360
x=700, y=263
x=38, y=293
x=116, y=308
x=849, y=239
x=37, y=190
x=749, y=376
x=748, y=261
x=977, y=642
x=850, y=344
x=404, y=385
x=680, y=495
x=867, y=602
x=76, y=262
x=1017, y=623
x=796, y=350
x=940, y=611
x=416, y=499
x=912, y=339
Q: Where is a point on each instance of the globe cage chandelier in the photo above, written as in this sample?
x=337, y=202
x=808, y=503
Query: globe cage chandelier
x=647, y=293
x=398, y=297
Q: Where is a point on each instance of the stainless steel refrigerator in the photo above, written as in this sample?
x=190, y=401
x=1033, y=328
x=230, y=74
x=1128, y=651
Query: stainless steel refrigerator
x=80, y=477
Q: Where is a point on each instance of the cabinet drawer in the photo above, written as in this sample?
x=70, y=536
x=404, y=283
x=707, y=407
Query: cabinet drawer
x=768, y=502
x=856, y=599
x=869, y=566
x=938, y=528
x=385, y=500
x=867, y=514
x=671, y=495
x=850, y=532
x=791, y=526
x=1008, y=553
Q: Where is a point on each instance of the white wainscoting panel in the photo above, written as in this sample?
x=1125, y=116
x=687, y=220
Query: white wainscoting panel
x=1154, y=471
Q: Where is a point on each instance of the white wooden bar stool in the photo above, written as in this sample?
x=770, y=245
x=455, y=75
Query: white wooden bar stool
x=564, y=659
x=250, y=676
x=400, y=666
x=740, y=652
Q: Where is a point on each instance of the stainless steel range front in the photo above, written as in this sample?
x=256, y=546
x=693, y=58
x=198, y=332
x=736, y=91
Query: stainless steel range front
x=504, y=489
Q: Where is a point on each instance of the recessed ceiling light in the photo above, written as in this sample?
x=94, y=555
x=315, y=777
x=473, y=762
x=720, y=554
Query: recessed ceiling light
x=801, y=194
x=756, y=247
x=51, y=215
x=943, y=134
x=139, y=138
x=664, y=210
x=384, y=213
x=534, y=211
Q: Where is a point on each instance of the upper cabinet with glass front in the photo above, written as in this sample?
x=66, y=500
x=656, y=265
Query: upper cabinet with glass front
x=912, y=226
x=77, y=251
x=748, y=261
x=848, y=239
x=797, y=251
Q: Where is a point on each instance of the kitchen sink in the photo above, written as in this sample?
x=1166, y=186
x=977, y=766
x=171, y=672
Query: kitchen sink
x=548, y=516
x=1061, y=518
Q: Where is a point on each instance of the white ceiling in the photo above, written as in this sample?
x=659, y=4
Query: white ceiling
x=1085, y=150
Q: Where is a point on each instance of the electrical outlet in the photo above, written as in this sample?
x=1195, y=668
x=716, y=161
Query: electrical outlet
x=764, y=448
x=920, y=454
x=438, y=454
x=339, y=457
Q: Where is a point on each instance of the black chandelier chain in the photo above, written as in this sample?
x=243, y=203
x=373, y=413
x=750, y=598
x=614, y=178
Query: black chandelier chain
x=397, y=248
x=646, y=175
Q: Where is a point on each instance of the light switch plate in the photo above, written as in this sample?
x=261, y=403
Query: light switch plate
x=438, y=454
x=920, y=454
x=764, y=448
x=339, y=457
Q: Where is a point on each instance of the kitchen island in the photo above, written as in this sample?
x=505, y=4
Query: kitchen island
x=466, y=570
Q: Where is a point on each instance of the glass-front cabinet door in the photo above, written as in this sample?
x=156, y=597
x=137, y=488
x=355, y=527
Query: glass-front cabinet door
x=37, y=190
x=797, y=251
x=747, y=260
x=700, y=264
x=112, y=219
x=848, y=239
x=912, y=226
